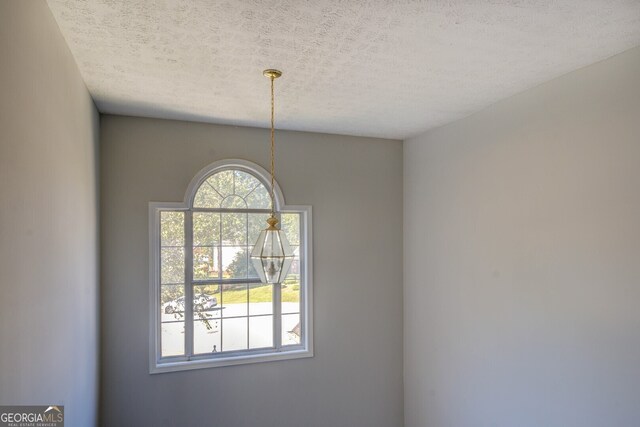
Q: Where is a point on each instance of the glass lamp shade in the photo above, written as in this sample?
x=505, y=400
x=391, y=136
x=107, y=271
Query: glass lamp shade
x=272, y=256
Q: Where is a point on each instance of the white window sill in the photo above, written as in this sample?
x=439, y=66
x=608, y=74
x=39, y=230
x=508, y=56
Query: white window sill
x=186, y=365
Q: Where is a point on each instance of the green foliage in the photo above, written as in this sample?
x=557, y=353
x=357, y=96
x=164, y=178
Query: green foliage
x=172, y=228
x=239, y=267
x=290, y=223
x=170, y=293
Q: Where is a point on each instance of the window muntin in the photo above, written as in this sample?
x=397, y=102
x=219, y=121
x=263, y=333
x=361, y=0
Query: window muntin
x=232, y=189
x=233, y=315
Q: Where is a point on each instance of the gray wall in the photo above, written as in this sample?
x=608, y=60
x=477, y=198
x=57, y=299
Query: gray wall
x=48, y=219
x=355, y=188
x=522, y=259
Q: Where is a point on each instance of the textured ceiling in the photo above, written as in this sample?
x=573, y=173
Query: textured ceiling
x=376, y=68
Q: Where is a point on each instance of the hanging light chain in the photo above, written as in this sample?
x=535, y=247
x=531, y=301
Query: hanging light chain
x=271, y=255
x=273, y=147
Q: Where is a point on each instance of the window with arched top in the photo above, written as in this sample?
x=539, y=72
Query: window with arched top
x=232, y=189
x=199, y=253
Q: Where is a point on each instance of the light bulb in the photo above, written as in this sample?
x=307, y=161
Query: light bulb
x=272, y=270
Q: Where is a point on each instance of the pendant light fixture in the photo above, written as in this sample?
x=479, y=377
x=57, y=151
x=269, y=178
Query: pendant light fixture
x=272, y=256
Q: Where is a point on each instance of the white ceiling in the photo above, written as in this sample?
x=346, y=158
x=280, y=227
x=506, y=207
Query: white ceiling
x=376, y=68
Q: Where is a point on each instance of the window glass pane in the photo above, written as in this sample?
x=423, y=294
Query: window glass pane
x=234, y=334
x=234, y=229
x=257, y=223
x=235, y=259
x=172, y=251
x=206, y=336
x=260, y=331
x=261, y=299
x=291, y=227
x=207, y=197
x=172, y=318
x=259, y=198
x=171, y=302
x=206, y=228
x=290, y=329
x=222, y=182
x=233, y=202
x=172, y=265
x=172, y=339
x=290, y=294
x=245, y=183
x=171, y=228
x=234, y=300
x=294, y=270
x=206, y=263
x=252, y=270
x=206, y=315
x=206, y=303
x=295, y=265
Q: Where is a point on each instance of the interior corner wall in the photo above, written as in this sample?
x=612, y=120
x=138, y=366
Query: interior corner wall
x=48, y=219
x=355, y=188
x=522, y=259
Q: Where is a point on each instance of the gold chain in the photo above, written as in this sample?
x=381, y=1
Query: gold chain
x=273, y=148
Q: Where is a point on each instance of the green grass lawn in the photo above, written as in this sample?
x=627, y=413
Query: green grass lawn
x=290, y=293
x=263, y=293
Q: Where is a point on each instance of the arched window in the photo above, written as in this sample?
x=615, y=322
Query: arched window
x=199, y=252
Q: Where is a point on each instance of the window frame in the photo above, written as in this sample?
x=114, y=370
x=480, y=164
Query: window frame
x=159, y=364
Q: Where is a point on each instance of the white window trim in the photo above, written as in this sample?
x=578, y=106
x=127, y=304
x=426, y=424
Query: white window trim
x=303, y=350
